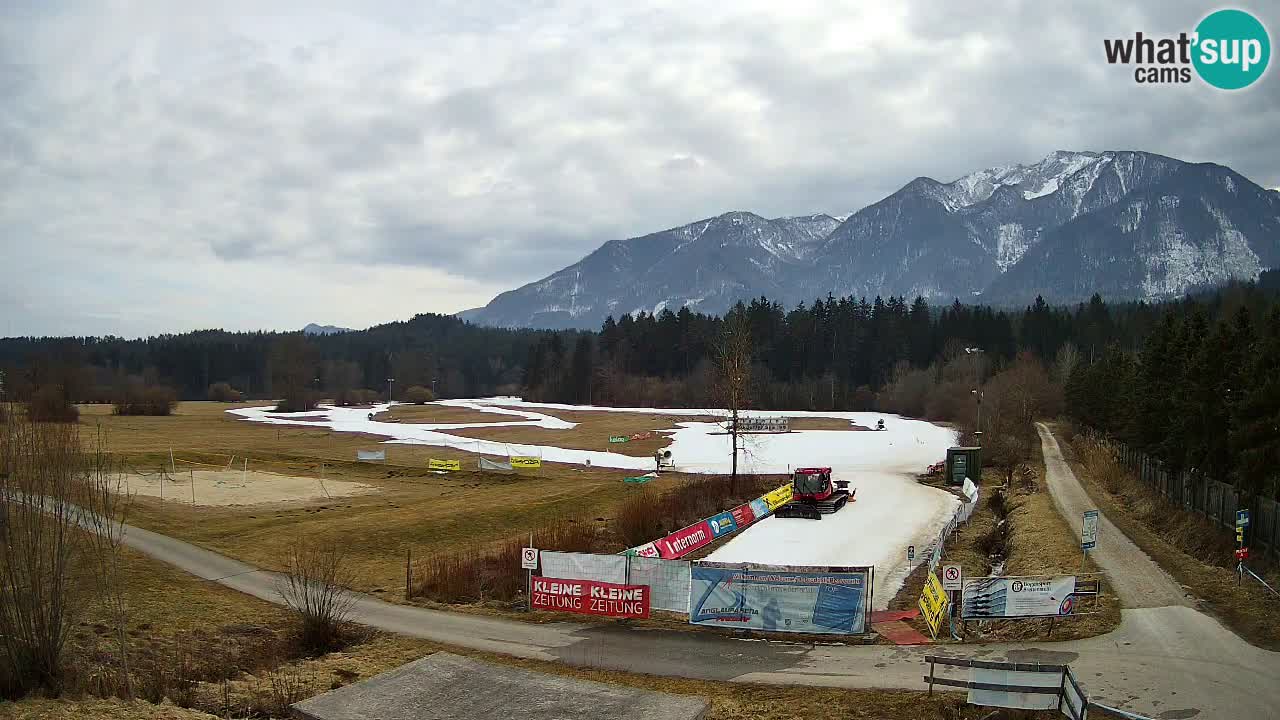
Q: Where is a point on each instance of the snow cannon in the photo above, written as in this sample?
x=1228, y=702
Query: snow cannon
x=880, y=425
x=814, y=494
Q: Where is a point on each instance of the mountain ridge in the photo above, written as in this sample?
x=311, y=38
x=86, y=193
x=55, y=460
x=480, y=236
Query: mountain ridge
x=979, y=236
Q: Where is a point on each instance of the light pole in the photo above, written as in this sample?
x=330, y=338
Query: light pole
x=434, y=396
x=977, y=434
x=389, y=382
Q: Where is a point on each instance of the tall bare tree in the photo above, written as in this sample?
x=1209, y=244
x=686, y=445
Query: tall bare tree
x=732, y=391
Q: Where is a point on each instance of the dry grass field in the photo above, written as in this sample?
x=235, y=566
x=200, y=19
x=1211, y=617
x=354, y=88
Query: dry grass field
x=594, y=428
x=408, y=508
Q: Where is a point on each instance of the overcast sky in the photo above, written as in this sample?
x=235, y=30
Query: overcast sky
x=168, y=165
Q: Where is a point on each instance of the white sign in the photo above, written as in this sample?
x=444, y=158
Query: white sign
x=529, y=558
x=952, y=577
x=1006, y=597
x=764, y=424
x=371, y=455
x=1089, y=531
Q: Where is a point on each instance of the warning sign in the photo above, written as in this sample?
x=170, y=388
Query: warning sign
x=933, y=604
x=529, y=558
x=952, y=577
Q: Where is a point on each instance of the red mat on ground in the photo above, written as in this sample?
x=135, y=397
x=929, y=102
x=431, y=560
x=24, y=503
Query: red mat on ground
x=900, y=633
x=879, y=616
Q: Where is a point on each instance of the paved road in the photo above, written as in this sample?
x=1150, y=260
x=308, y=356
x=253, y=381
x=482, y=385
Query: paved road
x=1170, y=661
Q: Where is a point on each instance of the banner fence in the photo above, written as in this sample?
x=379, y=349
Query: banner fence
x=668, y=580
x=780, y=598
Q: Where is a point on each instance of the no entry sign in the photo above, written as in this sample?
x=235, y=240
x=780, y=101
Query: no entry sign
x=587, y=597
x=952, y=577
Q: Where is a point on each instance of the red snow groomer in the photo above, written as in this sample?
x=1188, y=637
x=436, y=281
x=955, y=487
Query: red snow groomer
x=813, y=494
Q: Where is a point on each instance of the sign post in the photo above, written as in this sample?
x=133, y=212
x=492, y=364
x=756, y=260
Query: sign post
x=1088, y=535
x=952, y=582
x=911, y=553
x=1242, y=552
x=529, y=561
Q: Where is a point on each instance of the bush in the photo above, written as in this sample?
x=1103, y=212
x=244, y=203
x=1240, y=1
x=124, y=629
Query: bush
x=418, y=395
x=314, y=587
x=134, y=398
x=477, y=575
x=223, y=392
x=299, y=401
x=649, y=514
x=49, y=404
x=356, y=396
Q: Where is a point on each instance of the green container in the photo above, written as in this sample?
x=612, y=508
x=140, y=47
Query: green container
x=964, y=462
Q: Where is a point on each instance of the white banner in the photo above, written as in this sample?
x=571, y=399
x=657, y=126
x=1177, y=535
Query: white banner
x=585, y=566
x=491, y=465
x=371, y=455
x=1013, y=597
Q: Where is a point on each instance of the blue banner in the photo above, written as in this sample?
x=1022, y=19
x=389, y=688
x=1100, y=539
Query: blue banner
x=760, y=508
x=779, y=598
x=722, y=524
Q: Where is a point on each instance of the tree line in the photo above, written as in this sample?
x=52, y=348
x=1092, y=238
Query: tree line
x=1200, y=393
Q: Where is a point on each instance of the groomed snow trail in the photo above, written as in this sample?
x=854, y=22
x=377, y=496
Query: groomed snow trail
x=891, y=511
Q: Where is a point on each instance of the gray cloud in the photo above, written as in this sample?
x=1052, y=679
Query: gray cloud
x=156, y=157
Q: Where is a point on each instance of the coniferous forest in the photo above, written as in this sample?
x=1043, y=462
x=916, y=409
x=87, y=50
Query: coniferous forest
x=1194, y=383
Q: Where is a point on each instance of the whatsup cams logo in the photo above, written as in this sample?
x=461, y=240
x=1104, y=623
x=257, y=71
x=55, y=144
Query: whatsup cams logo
x=1229, y=50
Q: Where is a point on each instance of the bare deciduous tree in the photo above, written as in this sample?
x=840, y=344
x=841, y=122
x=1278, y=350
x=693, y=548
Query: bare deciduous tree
x=54, y=499
x=314, y=587
x=732, y=391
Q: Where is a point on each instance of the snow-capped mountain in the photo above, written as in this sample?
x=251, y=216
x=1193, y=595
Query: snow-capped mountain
x=1127, y=224
x=314, y=329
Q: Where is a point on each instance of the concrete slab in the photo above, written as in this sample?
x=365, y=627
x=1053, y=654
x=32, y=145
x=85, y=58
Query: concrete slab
x=449, y=687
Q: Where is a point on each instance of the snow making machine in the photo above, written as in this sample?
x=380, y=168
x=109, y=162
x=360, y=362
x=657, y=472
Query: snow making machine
x=813, y=494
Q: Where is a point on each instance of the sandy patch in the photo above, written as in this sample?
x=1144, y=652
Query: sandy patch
x=232, y=487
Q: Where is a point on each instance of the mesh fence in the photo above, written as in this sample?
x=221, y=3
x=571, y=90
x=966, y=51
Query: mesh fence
x=668, y=582
x=585, y=566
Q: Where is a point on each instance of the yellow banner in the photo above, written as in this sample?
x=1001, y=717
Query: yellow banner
x=434, y=464
x=777, y=498
x=519, y=461
x=933, y=604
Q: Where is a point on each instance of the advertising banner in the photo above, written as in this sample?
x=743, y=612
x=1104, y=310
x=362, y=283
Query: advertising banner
x=587, y=597
x=434, y=464
x=779, y=598
x=684, y=541
x=759, y=508
x=1013, y=597
x=647, y=550
x=933, y=604
x=525, y=461
x=618, y=438
x=777, y=498
x=743, y=516
x=722, y=524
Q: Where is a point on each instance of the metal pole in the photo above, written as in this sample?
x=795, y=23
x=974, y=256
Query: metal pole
x=193, y=487
x=408, y=573
x=528, y=583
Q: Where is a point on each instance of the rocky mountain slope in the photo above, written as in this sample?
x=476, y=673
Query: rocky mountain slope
x=1126, y=224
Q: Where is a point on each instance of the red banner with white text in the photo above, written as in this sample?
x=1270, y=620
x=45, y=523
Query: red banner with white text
x=588, y=597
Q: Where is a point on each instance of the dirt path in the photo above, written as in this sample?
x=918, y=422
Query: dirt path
x=1134, y=576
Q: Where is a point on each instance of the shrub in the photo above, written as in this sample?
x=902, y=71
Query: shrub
x=477, y=575
x=357, y=396
x=223, y=392
x=418, y=395
x=299, y=401
x=135, y=398
x=49, y=404
x=314, y=587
